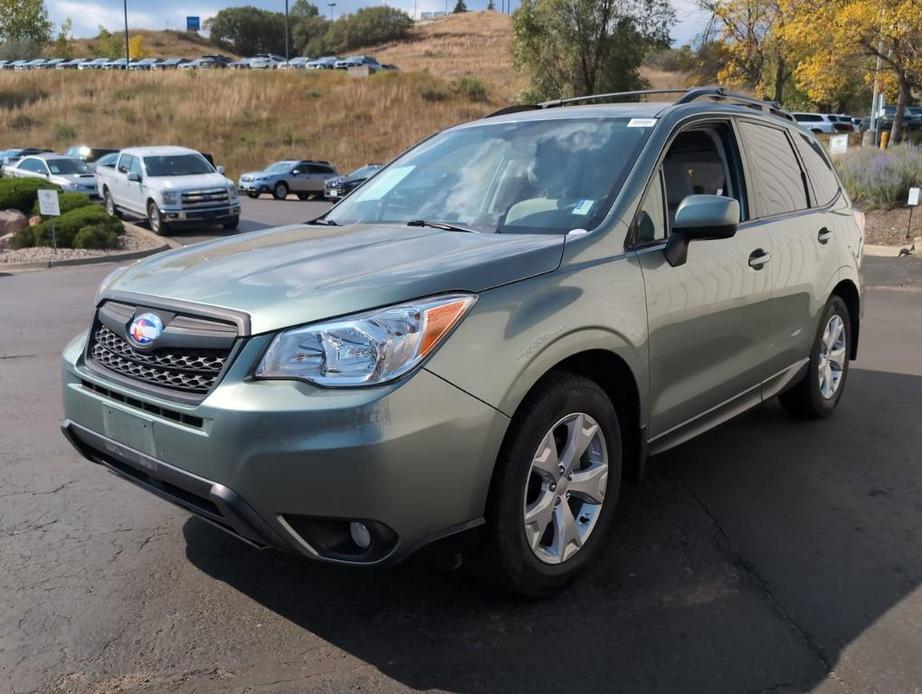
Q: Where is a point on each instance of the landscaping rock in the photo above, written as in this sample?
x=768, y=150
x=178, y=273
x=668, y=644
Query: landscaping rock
x=12, y=221
x=35, y=220
x=6, y=240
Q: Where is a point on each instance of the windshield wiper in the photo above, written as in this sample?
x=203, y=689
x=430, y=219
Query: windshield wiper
x=322, y=222
x=439, y=225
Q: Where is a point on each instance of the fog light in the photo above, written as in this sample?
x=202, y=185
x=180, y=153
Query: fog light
x=360, y=534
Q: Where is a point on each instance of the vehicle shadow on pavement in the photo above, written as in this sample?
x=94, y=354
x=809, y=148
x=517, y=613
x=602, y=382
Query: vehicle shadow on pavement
x=747, y=560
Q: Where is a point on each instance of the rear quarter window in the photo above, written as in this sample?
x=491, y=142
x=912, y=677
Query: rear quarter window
x=822, y=178
x=776, y=182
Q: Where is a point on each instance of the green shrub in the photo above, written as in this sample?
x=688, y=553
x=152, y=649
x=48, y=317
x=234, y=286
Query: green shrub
x=97, y=238
x=68, y=202
x=472, y=88
x=67, y=226
x=431, y=92
x=21, y=193
x=24, y=238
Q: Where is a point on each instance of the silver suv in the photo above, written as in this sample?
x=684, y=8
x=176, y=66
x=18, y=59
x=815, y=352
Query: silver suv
x=485, y=339
x=305, y=178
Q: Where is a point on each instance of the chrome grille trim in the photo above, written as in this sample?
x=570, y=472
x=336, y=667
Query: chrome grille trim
x=211, y=197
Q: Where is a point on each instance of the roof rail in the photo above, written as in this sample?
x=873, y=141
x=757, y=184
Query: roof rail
x=717, y=94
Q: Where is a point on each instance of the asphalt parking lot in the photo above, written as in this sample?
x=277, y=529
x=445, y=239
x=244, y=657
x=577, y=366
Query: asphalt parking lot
x=769, y=555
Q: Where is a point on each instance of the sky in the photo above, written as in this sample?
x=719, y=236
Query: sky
x=88, y=15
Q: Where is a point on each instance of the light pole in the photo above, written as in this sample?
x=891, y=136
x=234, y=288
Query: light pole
x=127, y=47
x=331, y=5
x=286, y=30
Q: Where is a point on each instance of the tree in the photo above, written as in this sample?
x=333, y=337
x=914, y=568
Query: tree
x=308, y=36
x=108, y=45
x=491, y=5
x=303, y=9
x=368, y=26
x=63, y=44
x=459, y=7
x=248, y=30
x=758, y=55
x=576, y=47
x=856, y=34
x=136, y=48
x=24, y=20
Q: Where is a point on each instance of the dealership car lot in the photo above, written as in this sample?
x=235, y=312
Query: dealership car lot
x=764, y=555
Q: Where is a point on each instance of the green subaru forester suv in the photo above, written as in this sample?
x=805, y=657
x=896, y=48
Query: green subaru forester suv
x=486, y=338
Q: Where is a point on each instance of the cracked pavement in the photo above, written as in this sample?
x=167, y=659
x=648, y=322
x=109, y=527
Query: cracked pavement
x=768, y=555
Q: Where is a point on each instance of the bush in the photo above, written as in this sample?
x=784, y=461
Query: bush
x=68, y=202
x=431, y=92
x=97, y=238
x=67, y=226
x=472, y=88
x=878, y=179
x=21, y=193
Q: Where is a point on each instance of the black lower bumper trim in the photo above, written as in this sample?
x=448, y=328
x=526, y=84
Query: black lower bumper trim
x=212, y=501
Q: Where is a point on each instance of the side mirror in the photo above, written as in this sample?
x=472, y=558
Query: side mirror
x=220, y=170
x=701, y=217
x=134, y=177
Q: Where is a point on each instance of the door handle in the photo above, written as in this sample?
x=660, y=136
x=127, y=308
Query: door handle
x=824, y=235
x=758, y=258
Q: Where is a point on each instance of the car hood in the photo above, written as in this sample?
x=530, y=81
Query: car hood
x=299, y=274
x=87, y=179
x=212, y=180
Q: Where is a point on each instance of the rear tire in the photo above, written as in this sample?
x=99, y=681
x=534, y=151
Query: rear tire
x=539, y=535
x=280, y=192
x=821, y=388
x=155, y=220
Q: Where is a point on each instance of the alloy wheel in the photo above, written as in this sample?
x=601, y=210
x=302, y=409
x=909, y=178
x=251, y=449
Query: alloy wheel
x=565, y=488
x=833, y=354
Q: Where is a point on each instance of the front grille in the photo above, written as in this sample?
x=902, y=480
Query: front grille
x=196, y=199
x=193, y=372
x=165, y=412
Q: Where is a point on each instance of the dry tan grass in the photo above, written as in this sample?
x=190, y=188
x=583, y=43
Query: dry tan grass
x=244, y=119
x=471, y=44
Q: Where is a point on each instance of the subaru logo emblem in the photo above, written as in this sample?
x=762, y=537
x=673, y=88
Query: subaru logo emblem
x=144, y=329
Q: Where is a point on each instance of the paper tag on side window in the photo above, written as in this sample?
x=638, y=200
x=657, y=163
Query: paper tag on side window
x=641, y=122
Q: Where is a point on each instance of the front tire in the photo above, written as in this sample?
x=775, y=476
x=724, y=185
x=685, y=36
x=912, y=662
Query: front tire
x=231, y=223
x=555, y=487
x=280, y=192
x=821, y=388
x=252, y=194
x=155, y=220
x=111, y=210
x=304, y=196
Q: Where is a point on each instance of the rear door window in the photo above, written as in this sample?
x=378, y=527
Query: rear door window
x=777, y=183
x=822, y=178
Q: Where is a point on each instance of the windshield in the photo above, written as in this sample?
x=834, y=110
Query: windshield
x=364, y=172
x=67, y=166
x=177, y=165
x=280, y=167
x=548, y=176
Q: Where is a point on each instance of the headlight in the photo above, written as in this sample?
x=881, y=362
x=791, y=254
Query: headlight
x=232, y=193
x=365, y=350
x=170, y=197
x=109, y=279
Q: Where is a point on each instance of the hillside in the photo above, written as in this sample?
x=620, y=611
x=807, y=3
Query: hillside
x=160, y=44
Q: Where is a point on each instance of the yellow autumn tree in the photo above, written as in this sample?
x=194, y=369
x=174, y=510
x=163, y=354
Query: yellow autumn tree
x=136, y=48
x=839, y=40
x=758, y=57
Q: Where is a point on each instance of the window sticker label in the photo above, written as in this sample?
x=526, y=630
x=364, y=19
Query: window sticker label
x=583, y=207
x=383, y=183
x=641, y=122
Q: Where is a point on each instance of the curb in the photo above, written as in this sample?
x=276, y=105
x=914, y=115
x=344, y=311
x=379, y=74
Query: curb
x=893, y=251
x=165, y=244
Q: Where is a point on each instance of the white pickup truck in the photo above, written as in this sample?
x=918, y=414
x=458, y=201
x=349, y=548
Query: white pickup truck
x=170, y=187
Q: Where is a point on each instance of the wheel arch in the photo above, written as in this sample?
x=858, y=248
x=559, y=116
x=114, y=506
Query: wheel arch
x=848, y=292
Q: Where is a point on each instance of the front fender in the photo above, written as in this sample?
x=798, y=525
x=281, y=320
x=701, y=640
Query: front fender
x=517, y=333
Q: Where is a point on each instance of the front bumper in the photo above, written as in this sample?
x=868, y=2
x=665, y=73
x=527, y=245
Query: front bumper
x=252, y=187
x=257, y=457
x=213, y=215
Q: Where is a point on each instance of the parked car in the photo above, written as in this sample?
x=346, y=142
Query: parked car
x=95, y=64
x=51, y=63
x=821, y=123
x=358, y=61
x=171, y=187
x=303, y=177
x=171, y=63
x=207, y=62
x=340, y=186
x=11, y=156
x=294, y=64
x=70, y=64
x=486, y=338
x=31, y=64
x=89, y=154
x=107, y=161
x=266, y=61
x=326, y=63
x=242, y=64
x=69, y=173
x=144, y=64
